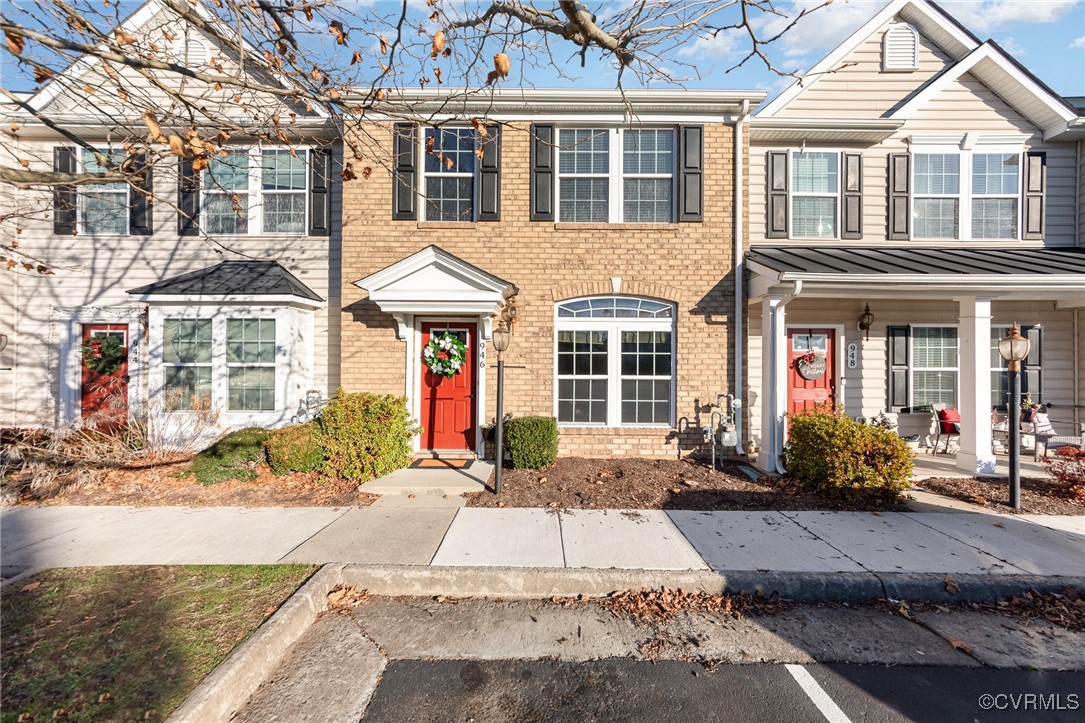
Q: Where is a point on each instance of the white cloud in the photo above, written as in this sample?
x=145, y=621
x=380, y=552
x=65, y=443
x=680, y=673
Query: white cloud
x=1014, y=48
x=721, y=45
x=984, y=16
x=1079, y=43
x=821, y=30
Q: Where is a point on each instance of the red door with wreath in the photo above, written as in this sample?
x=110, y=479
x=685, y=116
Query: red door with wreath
x=448, y=403
x=811, y=369
x=104, y=387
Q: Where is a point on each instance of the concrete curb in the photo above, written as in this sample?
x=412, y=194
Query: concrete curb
x=230, y=685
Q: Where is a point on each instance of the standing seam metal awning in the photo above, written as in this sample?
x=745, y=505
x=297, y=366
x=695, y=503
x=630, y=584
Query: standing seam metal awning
x=791, y=260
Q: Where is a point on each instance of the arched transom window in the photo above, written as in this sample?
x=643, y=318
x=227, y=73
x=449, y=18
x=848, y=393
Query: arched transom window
x=614, y=362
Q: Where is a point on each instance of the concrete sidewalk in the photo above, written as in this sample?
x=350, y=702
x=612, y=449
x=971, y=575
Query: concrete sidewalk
x=439, y=534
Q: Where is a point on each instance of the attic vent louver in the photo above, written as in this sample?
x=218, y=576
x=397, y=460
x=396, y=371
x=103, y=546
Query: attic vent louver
x=192, y=53
x=900, y=48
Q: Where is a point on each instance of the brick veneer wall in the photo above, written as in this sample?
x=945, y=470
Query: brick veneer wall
x=689, y=264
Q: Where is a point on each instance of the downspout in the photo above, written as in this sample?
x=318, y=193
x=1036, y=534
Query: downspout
x=1078, y=399
x=781, y=423
x=740, y=271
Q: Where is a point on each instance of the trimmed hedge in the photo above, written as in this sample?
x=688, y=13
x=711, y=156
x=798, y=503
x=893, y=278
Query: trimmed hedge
x=294, y=449
x=235, y=456
x=532, y=441
x=831, y=453
x=364, y=435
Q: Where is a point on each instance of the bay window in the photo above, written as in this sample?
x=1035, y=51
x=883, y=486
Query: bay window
x=598, y=185
x=614, y=362
x=250, y=359
x=186, y=357
x=815, y=194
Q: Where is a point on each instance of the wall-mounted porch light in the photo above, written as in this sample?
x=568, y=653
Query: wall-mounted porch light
x=866, y=320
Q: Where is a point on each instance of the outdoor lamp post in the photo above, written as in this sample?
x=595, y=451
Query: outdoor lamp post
x=501, y=338
x=1014, y=349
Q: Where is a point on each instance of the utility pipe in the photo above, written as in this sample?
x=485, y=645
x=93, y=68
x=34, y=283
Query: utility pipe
x=738, y=261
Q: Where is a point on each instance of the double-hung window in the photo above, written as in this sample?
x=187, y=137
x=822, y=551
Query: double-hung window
x=934, y=365
x=256, y=191
x=996, y=182
x=815, y=194
x=615, y=362
x=1031, y=367
x=186, y=358
x=250, y=359
x=965, y=194
x=936, y=208
x=103, y=207
x=449, y=174
x=596, y=184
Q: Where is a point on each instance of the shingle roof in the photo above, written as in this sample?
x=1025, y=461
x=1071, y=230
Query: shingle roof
x=249, y=278
x=921, y=261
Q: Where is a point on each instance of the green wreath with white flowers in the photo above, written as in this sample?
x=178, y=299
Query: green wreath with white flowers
x=104, y=354
x=445, y=355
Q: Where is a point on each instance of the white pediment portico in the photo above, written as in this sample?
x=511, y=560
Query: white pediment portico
x=433, y=281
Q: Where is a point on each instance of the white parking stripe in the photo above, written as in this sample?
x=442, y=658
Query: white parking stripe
x=821, y=699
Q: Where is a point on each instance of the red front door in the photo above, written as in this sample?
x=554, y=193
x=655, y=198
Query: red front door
x=811, y=369
x=448, y=403
x=104, y=394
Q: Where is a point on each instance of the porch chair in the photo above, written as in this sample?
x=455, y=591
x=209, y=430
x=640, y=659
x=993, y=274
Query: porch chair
x=1046, y=436
x=949, y=424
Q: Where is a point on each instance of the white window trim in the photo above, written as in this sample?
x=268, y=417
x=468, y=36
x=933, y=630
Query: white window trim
x=912, y=367
x=614, y=327
x=964, y=205
x=616, y=172
x=185, y=365
x=244, y=365
x=83, y=190
x=426, y=174
x=255, y=194
x=807, y=194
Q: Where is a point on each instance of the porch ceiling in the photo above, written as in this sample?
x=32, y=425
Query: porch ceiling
x=1056, y=274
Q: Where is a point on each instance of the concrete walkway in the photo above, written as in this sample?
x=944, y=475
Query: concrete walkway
x=436, y=532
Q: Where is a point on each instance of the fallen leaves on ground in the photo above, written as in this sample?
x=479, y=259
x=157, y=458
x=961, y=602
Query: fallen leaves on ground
x=1038, y=496
x=1065, y=609
x=342, y=597
x=661, y=605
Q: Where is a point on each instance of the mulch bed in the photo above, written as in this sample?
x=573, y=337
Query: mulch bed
x=163, y=483
x=1038, y=496
x=634, y=483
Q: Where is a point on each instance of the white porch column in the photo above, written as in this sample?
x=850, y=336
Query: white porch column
x=975, y=455
x=773, y=381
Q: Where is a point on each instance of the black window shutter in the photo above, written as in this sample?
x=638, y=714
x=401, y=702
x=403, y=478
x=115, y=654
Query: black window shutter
x=405, y=172
x=851, y=194
x=542, y=172
x=141, y=205
x=188, y=199
x=691, y=174
x=64, y=197
x=489, y=175
x=1034, y=193
x=320, y=205
x=900, y=182
x=1032, y=367
x=776, y=208
x=898, y=367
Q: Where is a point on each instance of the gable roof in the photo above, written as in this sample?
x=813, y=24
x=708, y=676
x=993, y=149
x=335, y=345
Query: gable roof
x=992, y=66
x=930, y=20
x=230, y=279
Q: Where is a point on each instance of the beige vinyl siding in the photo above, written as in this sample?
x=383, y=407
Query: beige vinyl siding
x=859, y=84
x=1080, y=195
x=865, y=391
x=95, y=272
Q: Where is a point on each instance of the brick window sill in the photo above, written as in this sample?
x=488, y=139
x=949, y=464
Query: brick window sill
x=447, y=224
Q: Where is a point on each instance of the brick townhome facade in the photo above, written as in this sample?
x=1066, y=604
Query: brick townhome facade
x=689, y=265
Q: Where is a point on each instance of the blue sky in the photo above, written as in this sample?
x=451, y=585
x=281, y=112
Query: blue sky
x=1047, y=36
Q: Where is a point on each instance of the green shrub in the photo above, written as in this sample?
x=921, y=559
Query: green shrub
x=831, y=453
x=235, y=456
x=294, y=449
x=532, y=441
x=364, y=435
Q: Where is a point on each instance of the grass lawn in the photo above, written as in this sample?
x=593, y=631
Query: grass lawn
x=127, y=643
